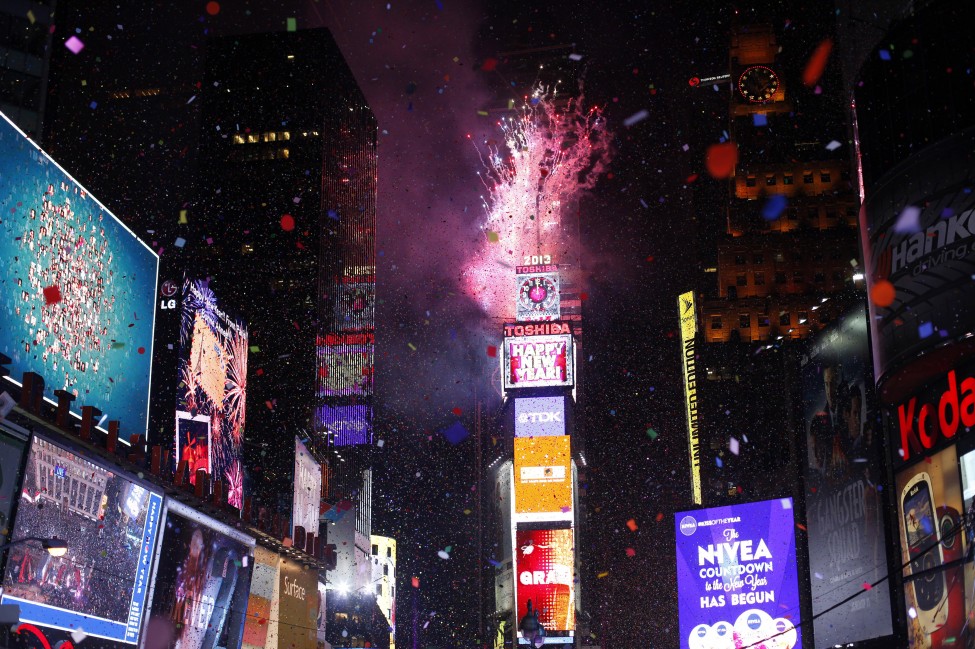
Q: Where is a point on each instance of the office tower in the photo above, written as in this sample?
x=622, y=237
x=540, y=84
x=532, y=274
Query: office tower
x=25, y=55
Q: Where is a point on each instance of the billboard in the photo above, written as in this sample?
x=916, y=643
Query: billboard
x=688, y=354
x=212, y=393
x=203, y=574
x=355, y=306
x=307, y=489
x=346, y=370
x=920, y=251
x=844, y=512
x=544, y=566
x=12, y=451
x=538, y=361
x=349, y=425
x=543, y=478
x=929, y=506
x=539, y=416
x=261, y=622
x=538, y=296
x=110, y=523
x=77, y=288
x=736, y=575
x=298, y=609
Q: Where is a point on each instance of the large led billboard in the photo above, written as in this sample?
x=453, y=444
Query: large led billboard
x=543, y=478
x=110, y=524
x=736, y=576
x=346, y=370
x=544, y=567
x=212, y=393
x=261, y=622
x=538, y=361
x=307, y=489
x=77, y=288
x=538, y=294
x=844, y=513
x=355, y=306
x=202, y=579
x=348, y=425
x=298, y=608
x=12, y=451
x=539, y=416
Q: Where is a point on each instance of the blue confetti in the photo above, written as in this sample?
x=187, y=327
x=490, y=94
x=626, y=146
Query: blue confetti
x=455, y=434
x=774, y=207
x=925, y=330
x=717, y=461
x=884, y=55
x=760, y=119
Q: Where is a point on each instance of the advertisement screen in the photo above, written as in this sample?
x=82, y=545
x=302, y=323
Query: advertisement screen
x=538, y=361
x=12, y=452
x=844, y=513
x=538, y=297
x=736, y=576
x=544, y=565
x=77, y=288
x=109, y=522
x=930, y=508
x=261, y=623
x=543, y=478
x=346, y=370
x=349, y=425
x=688, y=354
x=203, y=573
x=355, y=306
x=307, y=489
x=212, y=392
x=540, y=416
x=298, y=588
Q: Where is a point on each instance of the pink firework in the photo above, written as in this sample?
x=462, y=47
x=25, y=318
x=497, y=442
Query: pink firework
x=235, y=485
x=553, y=151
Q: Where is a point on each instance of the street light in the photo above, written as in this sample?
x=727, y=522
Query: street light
x=531, y=629
x=55, y=547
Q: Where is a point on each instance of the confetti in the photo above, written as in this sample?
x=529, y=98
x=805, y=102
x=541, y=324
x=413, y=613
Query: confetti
x=602, y=574
x=636, y=118
x=443, y=554
x=78, y=635
x=213, y=8
x=909, y=220
x=630, y=552
x=925, y=329
x=660, y=516
x=721, y=159
x=575, y=57
x=882, y=293
x=287, y=223
x=416, y=582
x=74, y=44
x=817, y=63
x=457, y=411
x=455, y=433
x=52, y=295
x=492, y=351
x=632, y=525
x=774, y=207
x=180, y=242
x=833, y=145
x=759, y=119
x=651, y=433
x=867, y=586
x=292, y=24
x=492, y=236
x=733, y=446
x=489, y=65
x=380, y=443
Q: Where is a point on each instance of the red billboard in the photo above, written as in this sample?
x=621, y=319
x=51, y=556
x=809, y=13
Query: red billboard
x=544, y=576
x=538, y=361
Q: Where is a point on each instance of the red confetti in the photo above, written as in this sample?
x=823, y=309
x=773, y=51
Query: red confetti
x=690, y=179
x=416, y=582
x=287, y=223
x=492, y=351
x=52, y=295
x=457, y=411
x=489, y=65
x=213, y=8
x=801, y=527
x=260, y=371
x=270, y=406
x=660, y=516
x=817, y=63
x=721, y=159
x=142, y=350
x=867, y=586
x=632, y=525
x=583, y=296
x=323, y=372
x=630, y=552
x=882, y=293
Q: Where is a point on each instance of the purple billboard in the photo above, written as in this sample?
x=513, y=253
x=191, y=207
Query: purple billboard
x=349, y=425
x=737, y=584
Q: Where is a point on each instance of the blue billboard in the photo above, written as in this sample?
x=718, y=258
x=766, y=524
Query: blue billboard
x=77, y=287
x=736, y=576
x=349, y=425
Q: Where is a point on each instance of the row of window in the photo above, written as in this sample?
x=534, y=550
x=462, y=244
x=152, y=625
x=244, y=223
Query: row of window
x=764, y=320
x=808, y=178
x=269, y=136
x=759, y=258
x=798, y=277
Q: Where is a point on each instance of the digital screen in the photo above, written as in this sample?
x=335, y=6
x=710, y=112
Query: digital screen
x=109, y=523
x=349, y=425
x=346, y=370
x=355, y=306
x=543, y=478
x=844, y=464
x=12, y=452
x=307, y=489
x=538, y=361
x=544, y=561
x=203, y=573
x=736, y=576
x=261, y=623
x=298, y=610
x=538, y=297
x=539, y=416
x=212, y=393
x=930, y=509
x=77, y=288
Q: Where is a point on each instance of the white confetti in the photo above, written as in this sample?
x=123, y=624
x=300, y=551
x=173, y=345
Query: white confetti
x=733, y=445
x=909, y=221
x=636, y=117
x=833, y=145
x=443, y=555
x=575, y=57
x=78, y=635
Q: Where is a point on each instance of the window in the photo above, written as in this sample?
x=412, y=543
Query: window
x=379, y=589
x=845, y=175
x=813, y=212
x=831, y=214
x=740, y=260
x=716, y=322
x=375, y=550
x=741, y=280
x=744, y=321
x=807, y=177
x=758, y=259
x=824, y=176
x=785, y=319
x=763, y=321
x=793, y=214
x=386, y=569
x=798, y=277
x=389, y=552
x=819, y=277
x=803, y=317
x=770, y=180
x=787, y=179
x=750, y=181
x=837, y=275
x=779, y=277
x=759, y=279
x=818, y=255
x=732, y=293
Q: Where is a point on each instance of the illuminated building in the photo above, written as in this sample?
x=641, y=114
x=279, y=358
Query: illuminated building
x=384, y=580
x=25, y=42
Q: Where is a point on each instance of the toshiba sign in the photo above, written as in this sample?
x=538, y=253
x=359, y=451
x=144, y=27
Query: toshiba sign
x=540, y=416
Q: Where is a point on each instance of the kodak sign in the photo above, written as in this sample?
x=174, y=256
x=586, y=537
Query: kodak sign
x=925, y=422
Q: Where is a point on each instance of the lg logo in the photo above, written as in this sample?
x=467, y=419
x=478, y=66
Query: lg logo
x=167, y=304
x=539, y=417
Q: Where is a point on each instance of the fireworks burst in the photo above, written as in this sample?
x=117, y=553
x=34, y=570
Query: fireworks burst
x=551, y=152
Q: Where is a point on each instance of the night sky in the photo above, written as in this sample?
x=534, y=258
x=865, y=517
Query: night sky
x=421, y=65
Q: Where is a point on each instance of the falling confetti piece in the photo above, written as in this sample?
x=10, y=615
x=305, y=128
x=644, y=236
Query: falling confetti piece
x=74, y=44
x=817, y=63
x=457, y=411
x=632, y=525
x=636, y=118
x=575, y=57
x=213, y=8
x=867, y=586
x=78, y=635
x=721, y=159
x=884, y=55
x=660, y=516
x=411, y=346
x=443, y=555
x=909, y=220
x=142, y=350
x=416, y=582
x=630, y=552
x=651, y=433
x=602, y=574
x=492, y=236
x=455, y=433
x=925, y=329
x=492, y=351
x=292, y=24
x=759, y=119
x=774, y=207
x=883, y=293
x=180, y=242
x=489, y=65
x=52, y=295
x=833, y=145
x=733, y=446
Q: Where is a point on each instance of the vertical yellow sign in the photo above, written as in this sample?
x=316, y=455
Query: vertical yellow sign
x=688, y=331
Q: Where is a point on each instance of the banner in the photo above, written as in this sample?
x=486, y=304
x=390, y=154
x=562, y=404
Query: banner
x=539, y=416
x=545, y=576
x=688, y=355
x=543, y=478
x=298, y=619
x=736, y=576
x=307, y=490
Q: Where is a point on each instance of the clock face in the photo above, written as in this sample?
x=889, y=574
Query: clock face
x=758, y=84
x=538, y=294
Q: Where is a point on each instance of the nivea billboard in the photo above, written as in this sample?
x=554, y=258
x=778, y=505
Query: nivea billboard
x=737, y=583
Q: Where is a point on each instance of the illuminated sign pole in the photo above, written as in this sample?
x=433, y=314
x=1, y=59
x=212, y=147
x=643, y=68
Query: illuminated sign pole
x=688, y=332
